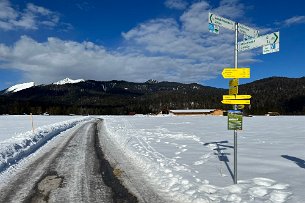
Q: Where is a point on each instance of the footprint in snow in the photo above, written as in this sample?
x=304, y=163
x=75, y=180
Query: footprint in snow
x=198, y=162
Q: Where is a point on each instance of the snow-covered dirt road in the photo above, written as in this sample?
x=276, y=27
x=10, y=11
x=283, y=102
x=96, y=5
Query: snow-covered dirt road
x=66, y=169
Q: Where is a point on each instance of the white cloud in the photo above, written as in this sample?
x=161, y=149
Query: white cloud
x=232, y=9
x=161, y=49
x=30, y=18
x=294, y=20
x=176, y=4
x=56, y=59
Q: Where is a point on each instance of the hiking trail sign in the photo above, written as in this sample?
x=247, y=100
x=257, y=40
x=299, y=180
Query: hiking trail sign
x=270, y=44
x=265, y=40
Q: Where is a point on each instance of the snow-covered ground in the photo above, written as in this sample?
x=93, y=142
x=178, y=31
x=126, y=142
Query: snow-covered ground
x=11, y=126
x=190, y=159
x=18, y=140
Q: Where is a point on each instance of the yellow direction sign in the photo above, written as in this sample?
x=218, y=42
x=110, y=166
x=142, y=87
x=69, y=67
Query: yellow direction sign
x=236, y=73
x=243, y=96
x=233, y=90
x=240, y=106
x=224, y=97
x=233, y=82
x=235, y=101
x=236, y=97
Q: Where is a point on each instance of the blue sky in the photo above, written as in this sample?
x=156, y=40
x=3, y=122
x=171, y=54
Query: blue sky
x=137, y=40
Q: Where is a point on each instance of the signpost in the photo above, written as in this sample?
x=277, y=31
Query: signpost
x=225, y=97
x=235, y=101
x=221, y=21
x=243, y=96
x=213, y=28
x=236, y=97
x=233, y=90
x=273, y=38
x=270, y=44
x=240, y=106
x=270, y=48
x=235, y=120
x=236, y=73
x=233, y=82
x=249, y=32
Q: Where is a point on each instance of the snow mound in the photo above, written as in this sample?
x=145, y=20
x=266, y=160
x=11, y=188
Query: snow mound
x=20, y=87
x=16, y=148
x=68, y=81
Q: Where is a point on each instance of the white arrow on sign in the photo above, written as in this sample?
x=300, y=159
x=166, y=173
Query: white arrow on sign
x=247, y=30
x=220, y=21
x=259, y=41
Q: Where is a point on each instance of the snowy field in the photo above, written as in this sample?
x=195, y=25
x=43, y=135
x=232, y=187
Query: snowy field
x=188, y=158
x=11, y=126
x=18, y=140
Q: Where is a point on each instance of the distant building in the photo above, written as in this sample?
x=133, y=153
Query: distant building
x=272, y=114
x=190, y=112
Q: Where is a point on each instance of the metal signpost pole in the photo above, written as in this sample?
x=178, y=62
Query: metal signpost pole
x=235, y=106
x=269, y=42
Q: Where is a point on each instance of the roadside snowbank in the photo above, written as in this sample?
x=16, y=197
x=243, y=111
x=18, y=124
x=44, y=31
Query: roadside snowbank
x=14, y=149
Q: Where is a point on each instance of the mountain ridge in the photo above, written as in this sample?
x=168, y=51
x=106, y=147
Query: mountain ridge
x=281, y=94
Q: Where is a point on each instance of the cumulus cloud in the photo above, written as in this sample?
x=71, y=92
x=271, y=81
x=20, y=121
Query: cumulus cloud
x=55, y=59
x=163, y=49
x=30, y=18
x=176, y=4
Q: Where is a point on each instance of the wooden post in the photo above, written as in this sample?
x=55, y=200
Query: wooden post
x=32, y=122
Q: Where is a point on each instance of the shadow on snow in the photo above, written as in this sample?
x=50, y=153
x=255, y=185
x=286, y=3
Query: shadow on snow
x=222, y=156
x=297, y=161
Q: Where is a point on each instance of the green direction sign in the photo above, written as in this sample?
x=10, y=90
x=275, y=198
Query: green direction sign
x=235, y=120
x=264, y=40
x=222, y=22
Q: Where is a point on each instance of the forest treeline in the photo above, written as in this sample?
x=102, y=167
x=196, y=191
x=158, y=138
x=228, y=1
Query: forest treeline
x=277, y=94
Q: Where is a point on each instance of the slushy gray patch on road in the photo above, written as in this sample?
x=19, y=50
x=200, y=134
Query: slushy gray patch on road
x=45, y=187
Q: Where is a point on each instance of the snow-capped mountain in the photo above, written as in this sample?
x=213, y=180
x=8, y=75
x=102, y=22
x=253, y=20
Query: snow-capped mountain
x=67, y=81
x=20, y=87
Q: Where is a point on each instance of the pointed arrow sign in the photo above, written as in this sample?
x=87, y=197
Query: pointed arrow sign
x=259, y=41
x=233, y=101
x=247, y=30
x=238, y=96
x=221, y=21
x=236, y=73
x=243, y=96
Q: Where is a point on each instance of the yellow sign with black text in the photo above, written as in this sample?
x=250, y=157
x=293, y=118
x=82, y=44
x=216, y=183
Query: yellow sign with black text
x=243, y=97
x=235, y=101
x=236, y=97
x=236, y=73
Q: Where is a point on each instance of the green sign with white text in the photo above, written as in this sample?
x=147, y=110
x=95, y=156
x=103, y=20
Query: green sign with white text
x=235, y=120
